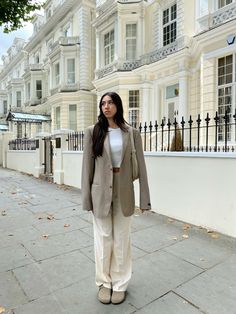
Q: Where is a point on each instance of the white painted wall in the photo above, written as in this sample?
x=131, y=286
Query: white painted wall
x=72, y=164
x=195, y=188
x=1, y=143
x=24, y=161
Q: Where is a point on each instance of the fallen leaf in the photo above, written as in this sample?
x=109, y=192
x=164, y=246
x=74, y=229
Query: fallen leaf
x=209, y=231
x=215, y=236
x=66, y=225
x=45, y=236
x=186, y=227
x=202, y=259
x=4, y=213
x=2, y=310
x=10, y=235
x=50, y=217
x=185, y=236
x=170, y=220
x=174, y=238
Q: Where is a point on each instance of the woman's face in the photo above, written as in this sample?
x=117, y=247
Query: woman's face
x=108, y=107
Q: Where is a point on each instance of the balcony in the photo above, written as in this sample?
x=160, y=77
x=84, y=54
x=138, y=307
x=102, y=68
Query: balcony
x=34, y=67
x=65, y=88
x=64, y=41
x=145, y=59
x=218, y=17
x=106, y=5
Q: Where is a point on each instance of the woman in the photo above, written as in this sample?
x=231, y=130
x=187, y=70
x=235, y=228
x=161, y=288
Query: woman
x=107, y=191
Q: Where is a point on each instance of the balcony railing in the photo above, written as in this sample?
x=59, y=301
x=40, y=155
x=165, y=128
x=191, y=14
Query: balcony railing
x=144, y=59
x=64, y=41
x=222, y=15
x=34, y=67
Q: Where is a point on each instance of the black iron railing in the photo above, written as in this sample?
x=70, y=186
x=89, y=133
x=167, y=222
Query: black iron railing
x=75, y=141
x=199, y=134
x=22, y=144
x=217, y=134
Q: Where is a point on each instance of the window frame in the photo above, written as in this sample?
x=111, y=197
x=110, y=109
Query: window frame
x=109, y=48
x=134, y=107
x=131, y=38
x=72, y=72
x=169, y=25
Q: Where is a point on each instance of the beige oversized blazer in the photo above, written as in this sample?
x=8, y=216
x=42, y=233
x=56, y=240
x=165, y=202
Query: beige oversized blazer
x=97, y=177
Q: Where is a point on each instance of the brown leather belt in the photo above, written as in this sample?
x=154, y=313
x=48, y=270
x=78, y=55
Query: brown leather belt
x=116, y=169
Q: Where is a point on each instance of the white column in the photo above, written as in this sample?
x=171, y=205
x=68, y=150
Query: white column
x=156, y=105
x=146, y=102
x=183, y=96
x=63, y=78
x=98, y=45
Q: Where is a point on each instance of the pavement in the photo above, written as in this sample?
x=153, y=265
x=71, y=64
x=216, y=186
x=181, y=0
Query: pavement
x=47, y=261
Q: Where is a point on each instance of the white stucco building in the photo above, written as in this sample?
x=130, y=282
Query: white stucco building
x=167, y=58
x=52, y=73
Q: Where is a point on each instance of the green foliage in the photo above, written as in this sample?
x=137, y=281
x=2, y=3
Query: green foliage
x=14, y=12
x=176, y=144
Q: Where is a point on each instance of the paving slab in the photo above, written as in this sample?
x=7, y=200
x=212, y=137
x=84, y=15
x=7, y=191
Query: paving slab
x=156, y=274
x=213, y=291
x=14, y=256
x=44, y=305
x=11, y=293
x=52, y=245
x=204, y=253
x=57, y=226
x=53, y=274
x=169, y=304
x=81, y=298
x=164, y=236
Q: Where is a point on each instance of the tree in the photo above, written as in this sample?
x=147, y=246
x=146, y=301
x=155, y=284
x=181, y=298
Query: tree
x=14, y=12
x=176, y=144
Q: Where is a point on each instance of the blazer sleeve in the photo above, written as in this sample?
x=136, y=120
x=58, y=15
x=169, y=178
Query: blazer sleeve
x=87, y=170
x=145, y=202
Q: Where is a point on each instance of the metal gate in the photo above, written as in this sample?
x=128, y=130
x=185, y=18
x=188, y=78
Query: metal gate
x=48, y=156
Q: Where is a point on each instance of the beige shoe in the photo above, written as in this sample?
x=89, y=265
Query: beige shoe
x=118, y=297
x=104, y=295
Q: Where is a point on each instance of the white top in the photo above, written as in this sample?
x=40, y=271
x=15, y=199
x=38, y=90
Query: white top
x=116, y=143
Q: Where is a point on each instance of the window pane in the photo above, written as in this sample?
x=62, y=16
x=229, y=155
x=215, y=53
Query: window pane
x=73, y=117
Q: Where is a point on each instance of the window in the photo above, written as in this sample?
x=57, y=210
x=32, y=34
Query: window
x=28, y=91
x=109, y=47
x=134, y=108
x=73, y=117
x=19, y=130
x=169, y=22
x=226, y=96
x=131, y=40
x=223, y=3
x=39, y=128
x=37, y=59
x=57, y=74
x=4, y=106
x=67, y=31
x=58, y=118
x=38, y=89
x=70, y=71
x=18, y=99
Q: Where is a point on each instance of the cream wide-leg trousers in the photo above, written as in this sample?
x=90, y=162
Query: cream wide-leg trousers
x=112, y=245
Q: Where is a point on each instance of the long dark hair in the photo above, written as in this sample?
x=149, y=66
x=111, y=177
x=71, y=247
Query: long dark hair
x=101, y=127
